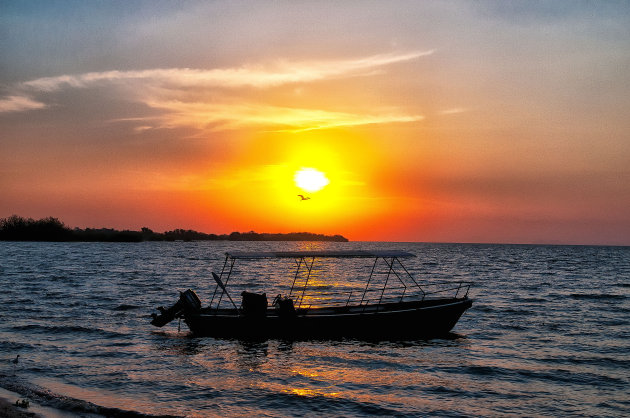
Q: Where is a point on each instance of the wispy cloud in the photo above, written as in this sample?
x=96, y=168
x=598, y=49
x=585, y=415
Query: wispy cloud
x=221, y=116
x=19, y=104
x=182, y=94
x=453, y=111
x=258, y=76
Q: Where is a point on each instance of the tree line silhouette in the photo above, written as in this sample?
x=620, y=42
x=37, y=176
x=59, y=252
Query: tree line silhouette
x=17, y=228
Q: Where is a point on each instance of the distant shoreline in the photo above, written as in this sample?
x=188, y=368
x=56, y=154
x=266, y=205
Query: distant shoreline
x=16, y=228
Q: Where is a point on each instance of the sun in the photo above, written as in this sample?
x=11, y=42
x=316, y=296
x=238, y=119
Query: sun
x=310, y=179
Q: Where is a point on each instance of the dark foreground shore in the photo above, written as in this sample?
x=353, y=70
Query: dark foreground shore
x=74, y=407
x=9, y=410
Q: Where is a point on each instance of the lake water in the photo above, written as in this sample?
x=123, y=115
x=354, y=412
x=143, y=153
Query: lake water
x=548, y=334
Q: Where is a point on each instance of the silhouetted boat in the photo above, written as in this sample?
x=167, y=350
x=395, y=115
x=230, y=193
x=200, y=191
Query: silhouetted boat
x=407, y=310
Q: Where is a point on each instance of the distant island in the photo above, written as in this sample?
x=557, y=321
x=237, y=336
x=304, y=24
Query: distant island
x=17, y=228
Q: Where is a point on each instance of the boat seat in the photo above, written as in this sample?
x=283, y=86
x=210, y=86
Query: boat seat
x=284, y=307
x=254, y=304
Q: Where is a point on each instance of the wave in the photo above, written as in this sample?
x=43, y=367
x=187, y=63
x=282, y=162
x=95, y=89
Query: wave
x=597, y=296
x=530, y=299
x=574, y=378
x=609, y=362
x=319, y=403
x=67, y=329
x=13, y=346
x=48, y=398
x=516, y=311
x=124, y=307
x=482, y=370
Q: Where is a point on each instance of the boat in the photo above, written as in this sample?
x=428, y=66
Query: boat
x=391, y=305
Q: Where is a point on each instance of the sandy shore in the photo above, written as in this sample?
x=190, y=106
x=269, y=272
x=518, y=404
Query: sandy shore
x=35, y=410
x=9, y=410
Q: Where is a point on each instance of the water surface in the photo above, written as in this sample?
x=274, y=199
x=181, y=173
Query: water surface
x=548, y=334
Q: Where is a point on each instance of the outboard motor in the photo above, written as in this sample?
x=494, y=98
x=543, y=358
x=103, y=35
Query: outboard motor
x=188, y=302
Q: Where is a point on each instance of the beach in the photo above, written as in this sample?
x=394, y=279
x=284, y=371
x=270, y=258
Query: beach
x=8, y=408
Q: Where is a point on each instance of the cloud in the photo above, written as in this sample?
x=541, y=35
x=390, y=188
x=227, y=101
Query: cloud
x=453, y=111
x=182, y=93
x=221, y=116
x=19, y=104
x=258, y=76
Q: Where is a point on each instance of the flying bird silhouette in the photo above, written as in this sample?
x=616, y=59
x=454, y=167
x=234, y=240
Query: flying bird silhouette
x=302, y=197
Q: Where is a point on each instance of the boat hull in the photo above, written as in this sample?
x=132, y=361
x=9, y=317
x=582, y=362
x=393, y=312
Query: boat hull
x=408, y=320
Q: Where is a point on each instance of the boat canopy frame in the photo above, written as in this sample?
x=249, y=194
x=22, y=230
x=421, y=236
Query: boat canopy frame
x=306, y=259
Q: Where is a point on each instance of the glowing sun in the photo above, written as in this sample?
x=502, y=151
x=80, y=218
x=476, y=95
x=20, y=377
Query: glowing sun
x=310, y=180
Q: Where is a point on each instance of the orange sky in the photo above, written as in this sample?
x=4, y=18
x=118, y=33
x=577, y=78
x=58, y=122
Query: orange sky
x=433, y=121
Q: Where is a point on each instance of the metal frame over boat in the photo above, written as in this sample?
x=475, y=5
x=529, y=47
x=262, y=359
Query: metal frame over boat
x=404, y=310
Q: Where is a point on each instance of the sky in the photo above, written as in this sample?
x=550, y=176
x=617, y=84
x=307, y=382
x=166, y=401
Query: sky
x=431, y=121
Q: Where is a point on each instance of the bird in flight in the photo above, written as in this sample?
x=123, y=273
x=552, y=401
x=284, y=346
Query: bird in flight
x=302, y=197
